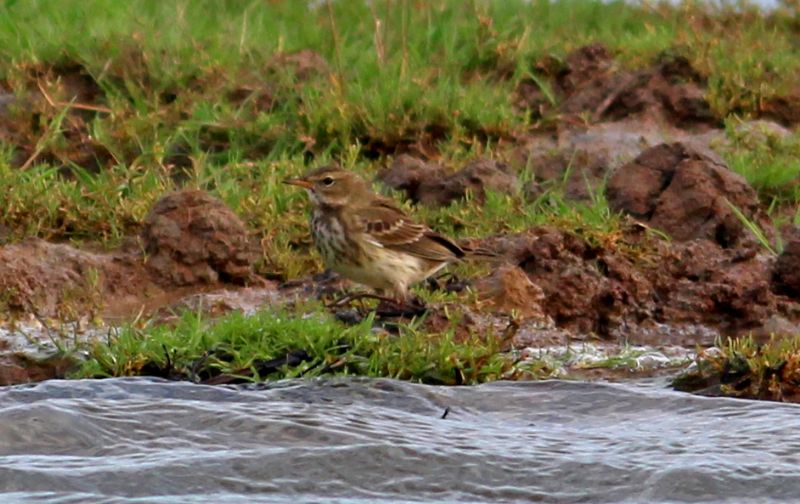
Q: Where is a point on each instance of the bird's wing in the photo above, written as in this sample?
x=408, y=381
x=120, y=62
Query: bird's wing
x=389, y=227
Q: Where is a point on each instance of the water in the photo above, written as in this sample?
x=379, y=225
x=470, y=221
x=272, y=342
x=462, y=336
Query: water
x=141, y=440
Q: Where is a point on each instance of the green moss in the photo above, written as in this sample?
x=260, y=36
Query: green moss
x=257, y=347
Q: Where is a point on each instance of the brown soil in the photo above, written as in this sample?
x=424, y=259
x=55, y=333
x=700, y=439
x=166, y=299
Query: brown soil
x=591, y=84
x=192, y=238
x=509, y=290
x=624, y=291
x=607, y=116
x=57, y=280
x=191, y=242
x=686, y=192
x=431, y=184
x=786, y=274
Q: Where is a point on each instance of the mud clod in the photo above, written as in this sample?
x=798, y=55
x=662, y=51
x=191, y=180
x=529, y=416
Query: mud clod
x=628, y=293
x=583, y=66
x=670, y=91
x=429, y=184
x=41, y=277
x=580, y=294
x=786, y=273
x=686, y=192
x=192, y=238
x=589, y=84
x=508, y=290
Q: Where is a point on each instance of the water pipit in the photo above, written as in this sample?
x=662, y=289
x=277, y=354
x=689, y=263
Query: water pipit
x=366, y=238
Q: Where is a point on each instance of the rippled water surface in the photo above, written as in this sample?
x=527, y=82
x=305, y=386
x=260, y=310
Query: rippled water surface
x=353, y=440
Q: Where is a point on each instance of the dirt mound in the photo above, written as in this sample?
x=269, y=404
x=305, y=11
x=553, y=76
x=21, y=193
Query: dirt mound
x=430, y=184
x=626, y=291
x=608, y=115
x=191, y=238
x=671, y=89
x=589, y=82
x=509, y=290
x=686, y=192
x=580, y=158
x=57, y=280
x=583, y=66
x=580, y=294
x=786, y=274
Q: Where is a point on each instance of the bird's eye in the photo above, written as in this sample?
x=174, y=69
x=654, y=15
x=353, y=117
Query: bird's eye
x=328, y=181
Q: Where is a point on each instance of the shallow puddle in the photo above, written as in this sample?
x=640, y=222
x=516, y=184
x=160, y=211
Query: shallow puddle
x=358, y=440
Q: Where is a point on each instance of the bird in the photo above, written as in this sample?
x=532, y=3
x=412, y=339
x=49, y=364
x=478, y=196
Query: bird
x=365, y=237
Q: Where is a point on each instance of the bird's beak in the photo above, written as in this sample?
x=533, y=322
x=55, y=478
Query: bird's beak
x=305, y=184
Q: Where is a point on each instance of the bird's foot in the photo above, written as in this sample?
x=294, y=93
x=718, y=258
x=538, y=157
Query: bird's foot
x=387, y=307
x=446, y=282
x=413, y=307
x=349, y=298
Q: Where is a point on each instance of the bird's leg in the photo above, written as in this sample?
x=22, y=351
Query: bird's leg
x=434, y=282
x=397, y=304
x=349, y=298
x=406, y=308
x=400, y=305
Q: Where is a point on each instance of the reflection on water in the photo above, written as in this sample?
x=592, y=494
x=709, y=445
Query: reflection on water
x=358, y=440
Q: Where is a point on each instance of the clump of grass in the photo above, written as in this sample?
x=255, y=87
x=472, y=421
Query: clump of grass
x=744, y=368
x=185, y=100
x=755, y=230
x=281, y=344
x=767, y=159
x=102, y=207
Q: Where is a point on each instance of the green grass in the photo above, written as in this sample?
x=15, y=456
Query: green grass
x=769, y=162
x=111, y=204
x=745, y=368
x=197, y=93
x=183, y=89
x=195, y=348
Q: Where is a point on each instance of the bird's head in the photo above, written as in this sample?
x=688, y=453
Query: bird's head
x=331, y=186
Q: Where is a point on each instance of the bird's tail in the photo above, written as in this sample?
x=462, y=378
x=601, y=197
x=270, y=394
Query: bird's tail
x=480, y=253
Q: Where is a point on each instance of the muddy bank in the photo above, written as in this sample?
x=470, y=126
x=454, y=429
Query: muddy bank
x=550, y=286
x=650, y=293
x=682, y=270
x=554, y=289
x=190, y=242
